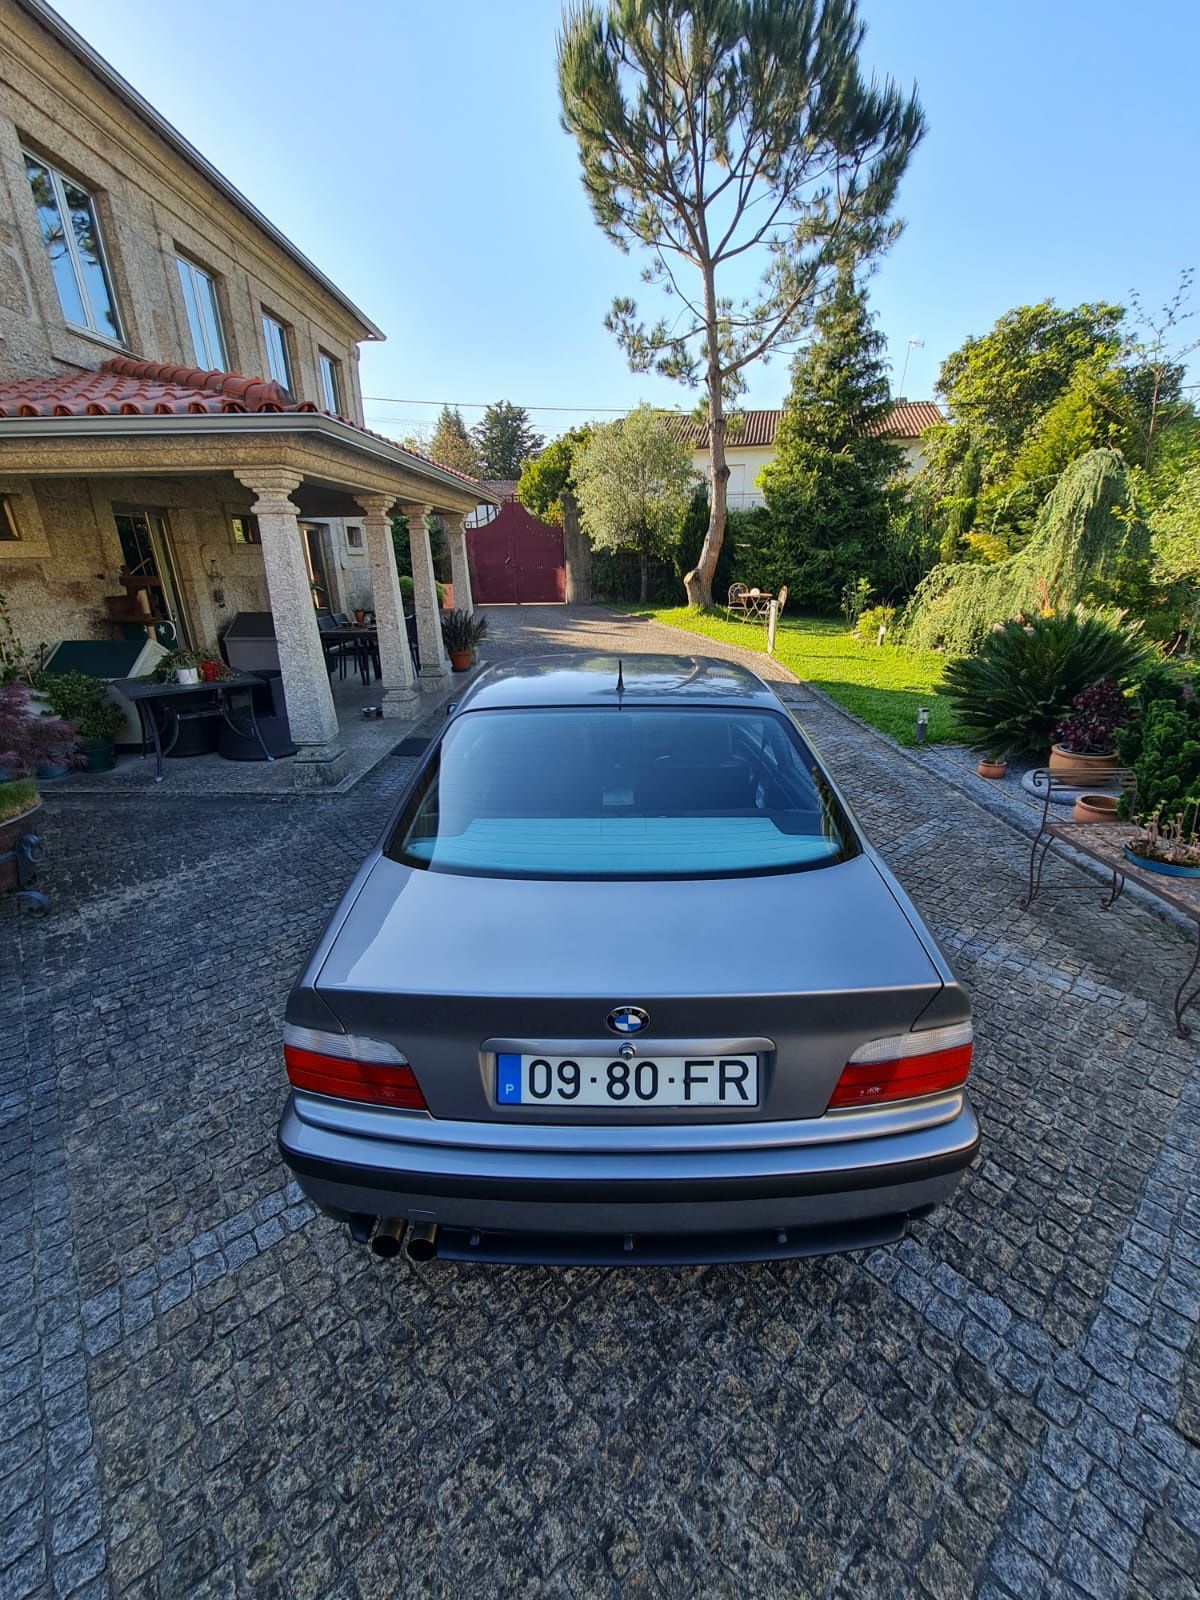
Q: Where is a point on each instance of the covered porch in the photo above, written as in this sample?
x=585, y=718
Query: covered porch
x=238, y=499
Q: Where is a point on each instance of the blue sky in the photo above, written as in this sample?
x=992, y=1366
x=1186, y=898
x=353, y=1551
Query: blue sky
x=413, y=150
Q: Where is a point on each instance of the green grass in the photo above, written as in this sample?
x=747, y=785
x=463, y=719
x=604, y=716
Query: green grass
x=882, y=684
x=16, y=796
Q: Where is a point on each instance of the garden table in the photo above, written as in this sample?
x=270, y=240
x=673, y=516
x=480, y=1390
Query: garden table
x=1104, y=843
x=365, y=639
x=151, y=698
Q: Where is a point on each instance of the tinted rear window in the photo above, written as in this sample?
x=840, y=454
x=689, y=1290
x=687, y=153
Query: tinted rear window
x=640, y=792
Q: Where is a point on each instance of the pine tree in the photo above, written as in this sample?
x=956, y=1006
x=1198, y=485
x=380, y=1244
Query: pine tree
x=505, y=440
x=451, y=445
x=740, y=143
x=826, y=488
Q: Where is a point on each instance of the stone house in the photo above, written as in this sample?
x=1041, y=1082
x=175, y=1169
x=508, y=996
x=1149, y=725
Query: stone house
x=140, y=474
x=752, y=446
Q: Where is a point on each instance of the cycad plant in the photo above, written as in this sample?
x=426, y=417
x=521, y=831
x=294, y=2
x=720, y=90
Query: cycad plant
x=1011, y=695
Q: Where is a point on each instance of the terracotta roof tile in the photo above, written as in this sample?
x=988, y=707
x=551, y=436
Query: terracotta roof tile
x=908, y=420
x=125, y=387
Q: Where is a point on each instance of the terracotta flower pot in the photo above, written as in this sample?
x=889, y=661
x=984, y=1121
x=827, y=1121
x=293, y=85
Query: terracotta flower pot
x=461, y=660
x=1062, y=760
x=1095, y=808
x=992, y=769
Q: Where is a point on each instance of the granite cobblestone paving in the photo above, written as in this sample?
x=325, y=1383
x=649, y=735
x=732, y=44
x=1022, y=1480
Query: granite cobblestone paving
x=205, y=1390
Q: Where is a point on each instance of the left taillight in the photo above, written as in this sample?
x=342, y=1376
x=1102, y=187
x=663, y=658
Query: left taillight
x=905, y=1066
x=350, y=1068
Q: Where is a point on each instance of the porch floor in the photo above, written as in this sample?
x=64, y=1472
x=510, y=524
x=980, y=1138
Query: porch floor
x=365, y=742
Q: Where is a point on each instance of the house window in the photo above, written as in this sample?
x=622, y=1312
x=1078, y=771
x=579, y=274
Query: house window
x=331, y=386
x=71, y=234
x=278, y=362
x=354, y=538
x=8, y=523
x=245, y=530
x=203, y=314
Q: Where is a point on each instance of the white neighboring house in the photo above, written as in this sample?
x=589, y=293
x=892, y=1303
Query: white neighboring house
x=752, y=446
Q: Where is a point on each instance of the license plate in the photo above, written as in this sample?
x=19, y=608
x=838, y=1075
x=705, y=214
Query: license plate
x=728, y=1082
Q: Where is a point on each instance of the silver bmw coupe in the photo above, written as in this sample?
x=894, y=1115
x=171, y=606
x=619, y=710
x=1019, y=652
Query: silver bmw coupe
x=623, y=982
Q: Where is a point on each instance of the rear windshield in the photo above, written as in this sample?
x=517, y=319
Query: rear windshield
x=642, y=792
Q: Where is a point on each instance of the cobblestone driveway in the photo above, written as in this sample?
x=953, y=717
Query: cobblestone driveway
x=206, y=1391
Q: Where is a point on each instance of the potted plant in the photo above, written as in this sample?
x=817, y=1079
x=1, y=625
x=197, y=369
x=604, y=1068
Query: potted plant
x=1085, y=740
x=25, y=743
x=461, y=632
x=98, y=720
x=1012, y=695
x=989, y=766
x=1168, y=845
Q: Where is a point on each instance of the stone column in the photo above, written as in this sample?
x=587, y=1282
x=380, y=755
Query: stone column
x=400, y=697
x=460, y=571
x=435, y=664
x=319, y=758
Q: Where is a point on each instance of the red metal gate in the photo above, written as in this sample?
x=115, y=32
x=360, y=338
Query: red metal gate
x=516, y=560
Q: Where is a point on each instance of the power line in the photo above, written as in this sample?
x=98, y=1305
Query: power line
x=482, y=405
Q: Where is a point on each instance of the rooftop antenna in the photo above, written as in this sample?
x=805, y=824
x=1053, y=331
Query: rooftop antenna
x=913, y=344
x=620, y=676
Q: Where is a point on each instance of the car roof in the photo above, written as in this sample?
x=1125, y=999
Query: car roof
x=592, y=680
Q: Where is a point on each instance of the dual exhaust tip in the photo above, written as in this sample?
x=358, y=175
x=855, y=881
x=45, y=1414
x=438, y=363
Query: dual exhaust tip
x=389, y=1235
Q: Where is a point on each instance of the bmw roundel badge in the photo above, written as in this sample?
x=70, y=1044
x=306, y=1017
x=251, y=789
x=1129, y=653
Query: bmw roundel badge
x=628, y=1019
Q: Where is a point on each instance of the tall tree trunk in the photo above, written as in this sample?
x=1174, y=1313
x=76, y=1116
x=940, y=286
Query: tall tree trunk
x=577, y=553
x=644, y=573
x=698, y=582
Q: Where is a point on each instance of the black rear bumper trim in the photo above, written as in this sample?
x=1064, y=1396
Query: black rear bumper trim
x=653, y=1191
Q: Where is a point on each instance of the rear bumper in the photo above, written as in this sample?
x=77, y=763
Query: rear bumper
x=830, y=1189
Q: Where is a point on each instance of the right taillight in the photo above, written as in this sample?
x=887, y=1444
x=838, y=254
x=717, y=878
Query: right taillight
x=905, y=1066
x=350, y=1068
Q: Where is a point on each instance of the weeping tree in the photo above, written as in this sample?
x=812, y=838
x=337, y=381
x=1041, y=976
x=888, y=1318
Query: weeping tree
x=1087, y=544
x=731, y=139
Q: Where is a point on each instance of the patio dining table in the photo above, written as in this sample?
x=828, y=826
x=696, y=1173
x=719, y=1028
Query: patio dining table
x=154, y=703
x=365, y=639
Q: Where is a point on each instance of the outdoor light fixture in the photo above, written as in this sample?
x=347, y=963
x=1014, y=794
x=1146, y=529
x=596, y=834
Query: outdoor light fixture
x=922, y=724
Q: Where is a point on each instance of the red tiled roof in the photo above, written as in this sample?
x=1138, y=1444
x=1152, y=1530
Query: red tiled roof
x=506, y=488
x=124, y=387
x=908, y=420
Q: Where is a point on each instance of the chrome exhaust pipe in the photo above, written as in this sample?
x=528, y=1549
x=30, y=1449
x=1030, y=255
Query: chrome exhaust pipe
x=421, y=1243
x=388, y=1237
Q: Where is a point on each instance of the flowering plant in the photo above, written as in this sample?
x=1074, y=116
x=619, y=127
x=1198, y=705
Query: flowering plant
x=1096, y=715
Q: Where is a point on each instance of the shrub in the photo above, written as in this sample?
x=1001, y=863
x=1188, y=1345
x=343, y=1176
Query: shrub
x=26, y=741
x=406, y=591
x=873, y=624
x=1011, y=695
x=84, y=701
x=1096, y=714
x=1162, y=746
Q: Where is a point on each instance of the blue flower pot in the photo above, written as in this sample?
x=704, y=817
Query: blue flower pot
x=47, y=771
x=1167, y=868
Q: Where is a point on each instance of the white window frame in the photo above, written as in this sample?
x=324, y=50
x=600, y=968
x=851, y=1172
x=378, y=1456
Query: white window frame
x=217, y=360
x=269, y=322
x=329, y=377
x=57, y=179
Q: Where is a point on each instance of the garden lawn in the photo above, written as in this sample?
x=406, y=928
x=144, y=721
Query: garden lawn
x=883, y=684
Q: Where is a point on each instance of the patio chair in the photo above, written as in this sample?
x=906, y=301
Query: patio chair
x=736, y=600
x=780, y=602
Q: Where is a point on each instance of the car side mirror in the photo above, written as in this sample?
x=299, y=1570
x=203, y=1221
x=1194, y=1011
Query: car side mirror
x=452, y=708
